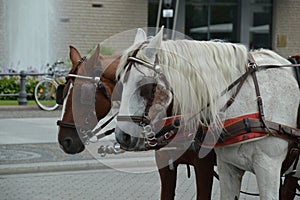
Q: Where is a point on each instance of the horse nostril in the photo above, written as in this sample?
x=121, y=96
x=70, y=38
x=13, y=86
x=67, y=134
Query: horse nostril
x=127, y=139
x=71, y=145
x=67, y=143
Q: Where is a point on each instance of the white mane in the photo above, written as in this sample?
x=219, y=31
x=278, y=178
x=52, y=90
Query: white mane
x=198, y=71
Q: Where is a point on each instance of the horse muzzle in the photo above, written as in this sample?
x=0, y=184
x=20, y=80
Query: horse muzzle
x=70, y=142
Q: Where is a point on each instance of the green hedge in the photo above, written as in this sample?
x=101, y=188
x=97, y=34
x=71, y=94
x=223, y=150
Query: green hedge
x=11, y=85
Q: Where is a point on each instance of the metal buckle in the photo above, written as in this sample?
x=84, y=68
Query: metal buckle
x=252, y=65
x=167, y=135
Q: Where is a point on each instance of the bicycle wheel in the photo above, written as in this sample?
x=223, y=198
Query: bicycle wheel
x=45, y=94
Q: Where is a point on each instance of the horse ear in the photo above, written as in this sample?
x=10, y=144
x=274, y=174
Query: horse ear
x=94, y=64
x=154, y=44
x=95, y=54
x=74, y=55
x=140, y=36
x=97, y=51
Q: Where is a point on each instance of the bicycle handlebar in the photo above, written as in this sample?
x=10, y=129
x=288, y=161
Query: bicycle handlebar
x=59, y=62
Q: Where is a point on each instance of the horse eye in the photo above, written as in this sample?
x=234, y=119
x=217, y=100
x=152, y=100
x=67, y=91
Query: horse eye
x=146, y=90
x=147, y=84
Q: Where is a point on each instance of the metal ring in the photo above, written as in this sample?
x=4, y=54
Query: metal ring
x=150, y=135
x=151, y=143
x=147, y=129
x=167, y=135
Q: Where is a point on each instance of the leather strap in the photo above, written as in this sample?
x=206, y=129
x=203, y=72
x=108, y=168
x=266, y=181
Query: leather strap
x=255, y=125
x=136, y=119
x=65, y=124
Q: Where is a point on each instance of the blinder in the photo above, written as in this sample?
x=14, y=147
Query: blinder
x=147, y=88
x=87, y=94
x=61, y=92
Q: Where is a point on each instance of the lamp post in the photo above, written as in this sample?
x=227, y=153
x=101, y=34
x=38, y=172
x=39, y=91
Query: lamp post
x=168, y=13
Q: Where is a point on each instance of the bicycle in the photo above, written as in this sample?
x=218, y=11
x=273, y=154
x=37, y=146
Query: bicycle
x=45, y=90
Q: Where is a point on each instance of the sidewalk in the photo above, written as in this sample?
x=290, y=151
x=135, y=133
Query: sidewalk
x=21, y=111
x=28, y=143
x=19, y=107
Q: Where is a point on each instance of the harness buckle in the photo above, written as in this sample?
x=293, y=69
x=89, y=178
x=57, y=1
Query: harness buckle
x=167, y=135
x=247, y=125
x=252, y=65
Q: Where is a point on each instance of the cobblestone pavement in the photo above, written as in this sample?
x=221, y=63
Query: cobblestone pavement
x=36, y=153
x=105, y=184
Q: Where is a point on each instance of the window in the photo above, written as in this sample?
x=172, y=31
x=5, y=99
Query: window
x=244, y=21
x=207, y=20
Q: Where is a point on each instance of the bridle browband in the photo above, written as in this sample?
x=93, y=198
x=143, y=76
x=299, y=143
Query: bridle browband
x=155, y=67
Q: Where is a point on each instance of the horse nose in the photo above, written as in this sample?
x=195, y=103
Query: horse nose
x=129, y=142
x=70, y=147
x=123, y=139
x=67, y=143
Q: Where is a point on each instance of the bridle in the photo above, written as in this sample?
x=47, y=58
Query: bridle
x=61, y=94
x=151, y=141
x=144, y=120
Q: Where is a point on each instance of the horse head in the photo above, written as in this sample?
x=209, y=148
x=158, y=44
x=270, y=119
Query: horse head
x=146, y=93
x=86, y=100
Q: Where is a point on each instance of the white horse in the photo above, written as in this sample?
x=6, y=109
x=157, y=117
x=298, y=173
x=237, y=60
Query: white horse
x=198, y=71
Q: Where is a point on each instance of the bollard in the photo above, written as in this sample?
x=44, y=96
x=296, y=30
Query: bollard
x=22, y=95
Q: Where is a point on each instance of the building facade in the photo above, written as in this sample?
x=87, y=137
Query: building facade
x=271, y=24
x=35, y=32
x=286, y=27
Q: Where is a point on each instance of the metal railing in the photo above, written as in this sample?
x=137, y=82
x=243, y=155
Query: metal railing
x=22, y=100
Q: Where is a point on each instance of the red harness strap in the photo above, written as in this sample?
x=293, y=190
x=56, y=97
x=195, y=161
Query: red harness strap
x=241, y=137
x=227, y=140
x=236, y=130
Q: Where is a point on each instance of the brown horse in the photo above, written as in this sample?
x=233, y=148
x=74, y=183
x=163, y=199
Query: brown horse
x=71, y=142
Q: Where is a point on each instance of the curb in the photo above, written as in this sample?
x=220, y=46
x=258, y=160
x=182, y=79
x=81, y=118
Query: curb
x=25, y=107
x=20, y=107
x=9, y=169
x=50, y=167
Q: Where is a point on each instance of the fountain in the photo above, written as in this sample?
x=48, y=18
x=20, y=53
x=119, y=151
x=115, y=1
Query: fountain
x=27, y=26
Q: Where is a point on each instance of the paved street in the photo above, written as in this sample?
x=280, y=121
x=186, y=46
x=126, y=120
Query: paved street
x=32, y=166
x=102, y=184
